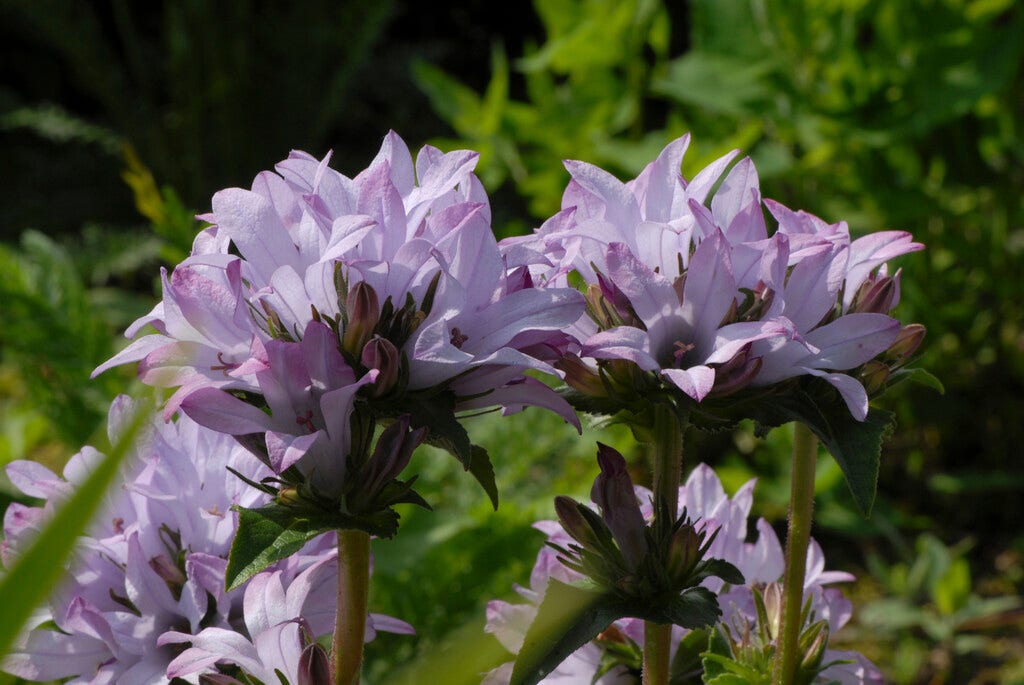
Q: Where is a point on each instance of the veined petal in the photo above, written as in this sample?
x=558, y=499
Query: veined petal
x=256, y=229
x=651, y=295
x=701, y=185
x=528, y=392
x=695, y=381
x=222, y=412
x=622, y=342
x=709, y=291
x=851, y=390
x=729, y=340
x=620, y=205
x=851, y=340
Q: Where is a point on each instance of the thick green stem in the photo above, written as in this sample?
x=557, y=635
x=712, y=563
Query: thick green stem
x=801, y=508
x=668, y=465
x=353, y=592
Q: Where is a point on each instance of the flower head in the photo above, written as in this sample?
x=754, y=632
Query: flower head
x=761, y=563
x=314, y=297
x=690, y=297
x=153, y=562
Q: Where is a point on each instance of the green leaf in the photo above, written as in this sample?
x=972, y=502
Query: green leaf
x=482, y=469
x=722, y=569
x=264, y=535
x=921, y=377
x=437, y=413
x=274, y=532
x=568, y=618
x=855, y=445
x=39, y=568
x=695, y=608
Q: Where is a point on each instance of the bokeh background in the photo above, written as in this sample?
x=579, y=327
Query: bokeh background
x=118, y=120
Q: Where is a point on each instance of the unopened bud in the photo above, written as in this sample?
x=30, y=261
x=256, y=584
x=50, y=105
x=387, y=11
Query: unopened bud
x=773, y=604
x=571, y=516
x=580, y=376
x=813, y=643
x=684, y=552
x=363, y=311
x=614, y=495
x=379, y=353
x=391, y=455
x=876, y=296
x=873, y=377
x=288, y=497
x=613, y=295
x=737, y=373
x=314, y=666
x=907, y=341
x=218, y=679
x=169, y=573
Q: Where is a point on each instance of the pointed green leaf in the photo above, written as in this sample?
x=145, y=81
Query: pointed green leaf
x=568, y=618
x=482, y=469
x=437, y=414
x=265, y=535
x=695, y=608
x=919, y=376
x=38, y=569
x=722, y=569
x=273, y=532
x=855, y=445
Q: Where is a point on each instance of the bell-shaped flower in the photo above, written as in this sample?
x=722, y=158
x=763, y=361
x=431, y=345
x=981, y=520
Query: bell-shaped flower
x=314, y=297
x=760, y=561
x=691, y=295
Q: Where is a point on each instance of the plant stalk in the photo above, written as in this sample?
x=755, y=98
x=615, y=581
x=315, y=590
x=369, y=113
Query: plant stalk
x=353, y=592
x=668, y=465
x=801, y=510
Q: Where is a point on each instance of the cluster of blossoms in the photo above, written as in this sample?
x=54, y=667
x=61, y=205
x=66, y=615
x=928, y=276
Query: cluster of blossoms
x=316, y=305
x=614, y=657
x=149, y=574
x=315, y=308
x=697, y=302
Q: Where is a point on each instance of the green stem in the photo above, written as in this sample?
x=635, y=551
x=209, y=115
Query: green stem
x=668, y=464
x=801, y=509
x=353, y=591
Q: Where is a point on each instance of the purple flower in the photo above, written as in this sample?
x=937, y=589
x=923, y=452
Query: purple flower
x=760, y=562
x=281, y=626
x=697, y=300
x=371, y=296
x=152, y=562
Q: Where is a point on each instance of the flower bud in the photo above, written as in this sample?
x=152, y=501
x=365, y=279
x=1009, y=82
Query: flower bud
x=876, y=296
x=379, y=353
x=873, y=377
x=773, y=605
x=907, y=341
x=169, y=573
x=684, y=552
x=617, y=299
x=575, y=523
x=737, y=373
x=390, y=456
x=218, y=679
x=580, y=376
x=363, y=311
x=614, y=495
x=813, y=642
x=288, y=497
x=314, y=666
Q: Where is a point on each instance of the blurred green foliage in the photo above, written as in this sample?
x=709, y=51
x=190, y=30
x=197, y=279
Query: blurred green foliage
x=885, y=113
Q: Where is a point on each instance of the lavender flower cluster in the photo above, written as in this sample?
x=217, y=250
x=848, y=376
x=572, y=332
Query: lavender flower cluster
x=148, y=576
x=760, y=561
x=696, y=300
x=315, y=307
